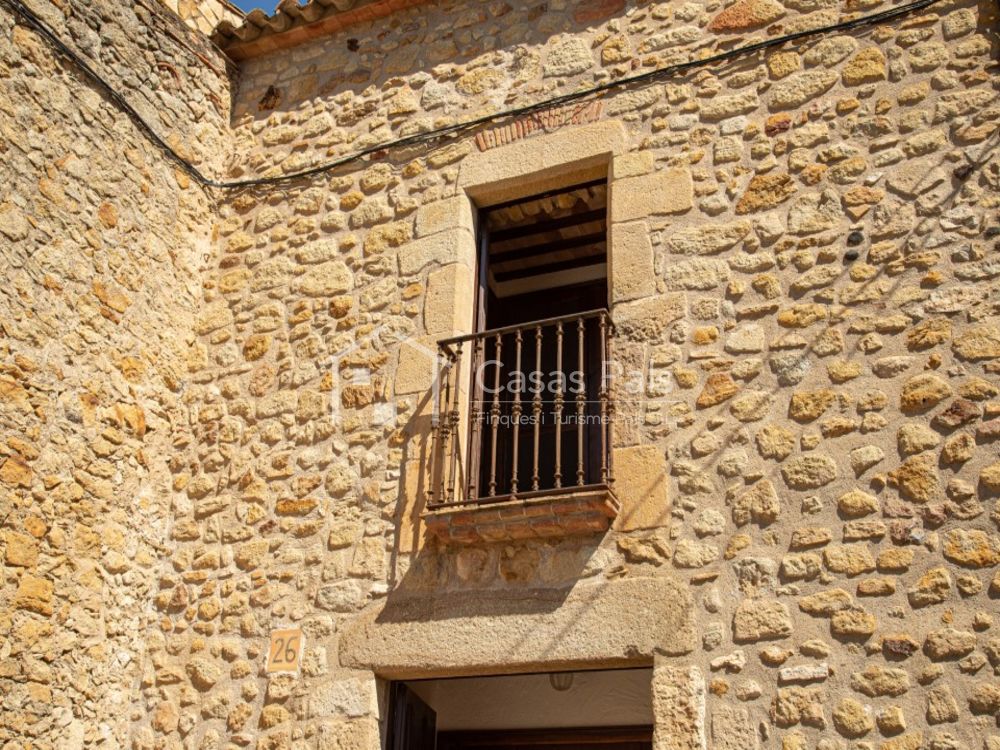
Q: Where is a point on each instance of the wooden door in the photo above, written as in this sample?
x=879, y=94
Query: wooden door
x=413, y=724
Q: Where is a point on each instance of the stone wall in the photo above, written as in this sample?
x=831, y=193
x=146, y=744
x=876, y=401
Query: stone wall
x=818, y=226
x=804, y=273
x=101, y=244
x=809, y=235
x=205, y=15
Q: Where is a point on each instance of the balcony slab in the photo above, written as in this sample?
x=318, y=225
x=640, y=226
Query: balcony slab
x=558, y=514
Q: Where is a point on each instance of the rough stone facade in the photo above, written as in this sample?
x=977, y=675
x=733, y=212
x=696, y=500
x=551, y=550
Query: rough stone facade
x=103, y=246
x=804, y=271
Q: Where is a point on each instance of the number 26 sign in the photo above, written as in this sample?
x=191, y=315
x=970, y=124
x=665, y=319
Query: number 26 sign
x=285, y=651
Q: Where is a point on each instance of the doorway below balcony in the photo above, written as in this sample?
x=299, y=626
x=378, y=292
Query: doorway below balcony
x=600, y=709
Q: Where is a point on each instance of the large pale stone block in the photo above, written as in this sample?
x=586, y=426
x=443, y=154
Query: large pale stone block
x=568, y=57
x=707, y=239
x=631, y=262
x=325, y=280
x=641, y=487
x=670, y=191
x=632, y=164
x=452, y=246
x=678, y=707
x=345, y=696
x=647, y=319
x=448, y=302
x=496, y=631
x=416, y=475
x=696, y=273
x=570, y=155
x=440, y=216
x=359, y=734
x=418, y=364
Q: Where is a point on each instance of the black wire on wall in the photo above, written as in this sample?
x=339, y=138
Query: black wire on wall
x=654, y=76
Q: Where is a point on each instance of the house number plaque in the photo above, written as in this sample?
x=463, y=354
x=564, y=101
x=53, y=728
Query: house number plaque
x=285, y=652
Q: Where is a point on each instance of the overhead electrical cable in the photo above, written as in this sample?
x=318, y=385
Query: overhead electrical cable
x=640, y=80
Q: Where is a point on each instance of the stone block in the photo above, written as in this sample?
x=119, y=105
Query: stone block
x=440, y=216
x=746, y=15
x=361, y=734
x=570, y=155
x=631, y=262
x=719, y=387
x=978, y=343
x=325, y=280
x=723, y=107
x=670, y=191
x=647, y=319
x=678, y=707
x=875, y=681
x=867, y=66
x=451, y=246
x=343, y=596
x=765, y=191
x=849, y=559
x=345, y=697
x=448, y=302
x=758, y=619
x=418, y=365
x=800, y=88
x=708, y=239
x=21, y=550
x=520, y=629
x=696, y=274
x=759, y=504
x=568, y=57
x=916, y=479
x=34, y=594
x=809, y=472
x=852, y=718
x=381, y=238
x=972, y=548
x=641, y=488
x=632, y=164
x=411, y=526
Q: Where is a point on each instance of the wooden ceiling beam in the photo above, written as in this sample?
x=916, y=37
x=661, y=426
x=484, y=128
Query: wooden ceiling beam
x=544, y=248
x=540, y=227
x=547, y=194
x=596, y=259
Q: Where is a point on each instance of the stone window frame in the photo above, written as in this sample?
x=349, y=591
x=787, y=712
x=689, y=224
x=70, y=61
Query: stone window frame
x=527, y=167
x=446, y=233
x=533, y=165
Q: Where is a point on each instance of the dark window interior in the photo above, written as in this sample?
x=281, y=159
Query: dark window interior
x=545, y=255
x=542, y=257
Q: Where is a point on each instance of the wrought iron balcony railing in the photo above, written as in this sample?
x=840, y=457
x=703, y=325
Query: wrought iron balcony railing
x=524, y=411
